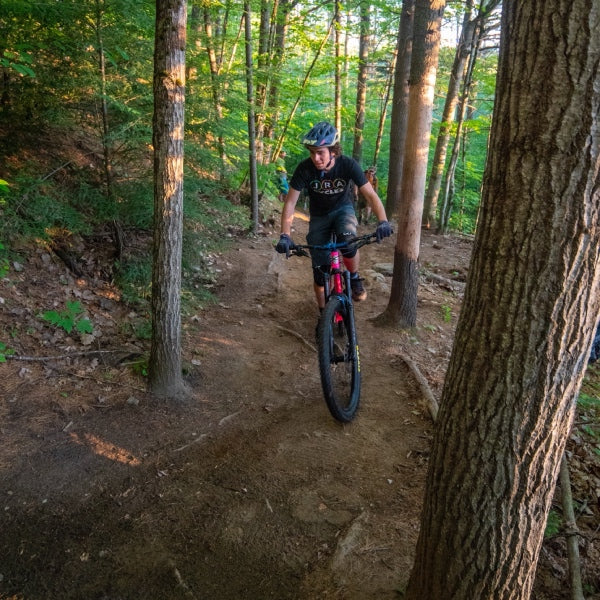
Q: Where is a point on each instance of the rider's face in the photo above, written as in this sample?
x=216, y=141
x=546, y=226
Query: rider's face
x=321, y=157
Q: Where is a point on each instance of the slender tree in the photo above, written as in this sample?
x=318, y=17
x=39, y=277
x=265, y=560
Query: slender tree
x=529, y=313
x=215, y=71
x=302, y=87
x=164, y=374
x=280, y=35
x=448, y=184
x=399, y=107
x=251, y=116
x=361, y=85
x=117, y=232
x=337, y=19
x=402, y=307
x=463, y=51
x=384, y=106
x=262, y=74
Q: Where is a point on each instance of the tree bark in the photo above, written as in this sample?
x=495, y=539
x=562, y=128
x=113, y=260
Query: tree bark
x=337, y=19
x=384, y=106
x=463, y=51
x=529, y=313
x=402, y=307
x=399, y=108
x=281, y=26
x=361, y=84
x=215, y=69
x=164, y=373
x=251, y=118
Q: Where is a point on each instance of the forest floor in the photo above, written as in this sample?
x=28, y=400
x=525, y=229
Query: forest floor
x=249, y=489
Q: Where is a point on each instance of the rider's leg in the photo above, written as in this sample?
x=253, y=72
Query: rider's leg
x=319, y=295
x=353, y=263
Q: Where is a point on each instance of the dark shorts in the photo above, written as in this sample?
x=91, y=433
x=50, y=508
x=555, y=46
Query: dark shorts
x=341, y=221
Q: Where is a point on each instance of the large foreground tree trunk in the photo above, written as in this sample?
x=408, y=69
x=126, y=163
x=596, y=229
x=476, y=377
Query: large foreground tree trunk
x=164, y=376
x=529, y=313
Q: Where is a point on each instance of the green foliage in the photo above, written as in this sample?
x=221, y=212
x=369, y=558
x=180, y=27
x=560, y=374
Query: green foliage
x=18, y=61
x=143, y=330
x=68, y=319
x=134, y=278
x=588, y=408
x=588, y=403
x=5, y=351
x=553, y=524
x=140, y=367
x=446, y=313
x=4, y=264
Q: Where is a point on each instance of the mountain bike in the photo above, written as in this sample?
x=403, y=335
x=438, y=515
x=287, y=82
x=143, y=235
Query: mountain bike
x=337, y=345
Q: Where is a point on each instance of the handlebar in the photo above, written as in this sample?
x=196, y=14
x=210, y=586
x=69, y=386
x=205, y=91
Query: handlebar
x=357, y=242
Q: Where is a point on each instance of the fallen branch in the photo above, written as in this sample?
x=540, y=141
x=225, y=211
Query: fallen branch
x=296, y=334
x=127, y=353
x=450, y=284
x=430, y=402
x=571, y=531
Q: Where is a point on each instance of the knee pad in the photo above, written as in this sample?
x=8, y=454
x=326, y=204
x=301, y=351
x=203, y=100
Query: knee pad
x=319, y=274
x=349, y=252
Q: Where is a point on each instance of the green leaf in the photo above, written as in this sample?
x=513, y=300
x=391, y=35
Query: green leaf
x=74, y=307
x=84, y=326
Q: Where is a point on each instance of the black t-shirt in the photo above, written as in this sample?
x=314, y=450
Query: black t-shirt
x=327, y=191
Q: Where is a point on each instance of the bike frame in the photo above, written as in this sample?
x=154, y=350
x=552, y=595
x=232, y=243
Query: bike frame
x=333, y=280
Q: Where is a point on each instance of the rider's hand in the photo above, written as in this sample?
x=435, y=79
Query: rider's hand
x=384, y=229
x=284, y=245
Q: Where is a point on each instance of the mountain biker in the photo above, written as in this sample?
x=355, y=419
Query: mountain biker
x=326, y=175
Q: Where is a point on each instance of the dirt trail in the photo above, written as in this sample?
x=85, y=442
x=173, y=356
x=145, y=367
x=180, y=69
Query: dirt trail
x=249, y=491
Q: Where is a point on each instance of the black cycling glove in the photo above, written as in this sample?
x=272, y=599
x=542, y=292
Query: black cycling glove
x=384, y=229
x=284, y=245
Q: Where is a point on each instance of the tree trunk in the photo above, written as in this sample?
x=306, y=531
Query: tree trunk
x=164, y=373
x=361, y=85
x=214, y=79
x=262, y=77
x=448, y=180
x=281, y=26
x=402, y=307
x=251, y=119
x=337, y=19
x=301, y=90
x=457, y=72
x=384, y=106
x=529, y=313
x=399, y=108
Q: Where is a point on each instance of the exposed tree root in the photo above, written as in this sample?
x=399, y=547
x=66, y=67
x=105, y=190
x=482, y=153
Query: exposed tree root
x=431, y=403
x=296, y=334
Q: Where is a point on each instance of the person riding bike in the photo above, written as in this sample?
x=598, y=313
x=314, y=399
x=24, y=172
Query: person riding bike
x=326, y=175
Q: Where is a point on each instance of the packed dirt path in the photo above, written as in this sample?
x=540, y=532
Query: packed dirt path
x=247, y=490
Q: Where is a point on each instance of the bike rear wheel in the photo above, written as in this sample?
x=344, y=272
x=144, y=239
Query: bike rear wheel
x=339, y=360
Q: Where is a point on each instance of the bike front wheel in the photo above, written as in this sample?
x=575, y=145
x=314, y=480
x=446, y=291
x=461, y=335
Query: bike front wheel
x=339, y=360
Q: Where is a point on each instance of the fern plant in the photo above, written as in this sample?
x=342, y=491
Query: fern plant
x=68, y=319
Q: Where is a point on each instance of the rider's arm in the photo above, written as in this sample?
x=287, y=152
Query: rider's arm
x=374, y=201
x=287, y=214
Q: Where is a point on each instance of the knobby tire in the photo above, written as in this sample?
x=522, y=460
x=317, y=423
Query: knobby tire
x=339, y=361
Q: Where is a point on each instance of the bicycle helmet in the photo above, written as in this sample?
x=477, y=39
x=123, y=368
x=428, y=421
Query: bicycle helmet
x=323, y=135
